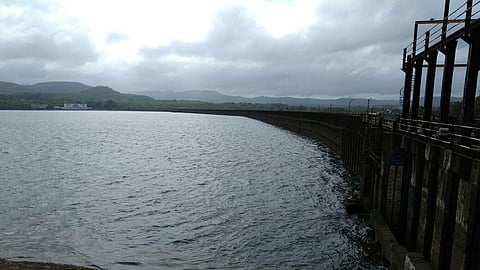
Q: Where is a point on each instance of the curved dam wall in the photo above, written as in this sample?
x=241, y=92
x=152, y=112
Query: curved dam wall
x=343, y=134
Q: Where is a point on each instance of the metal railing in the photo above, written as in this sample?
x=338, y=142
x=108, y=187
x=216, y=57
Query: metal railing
x=460, y=17
x=465, y=137
x=450, y=133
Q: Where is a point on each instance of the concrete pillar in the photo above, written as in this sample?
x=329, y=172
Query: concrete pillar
x=470, y=87
x=414, y=195
x=449, y=51
x=366, y=186
x=429, y=85
x=462, y=232
x=407, y=88
x=407, y=171
x=446, y=203
x=472, y=260
x=416, y=88
x=428, y=205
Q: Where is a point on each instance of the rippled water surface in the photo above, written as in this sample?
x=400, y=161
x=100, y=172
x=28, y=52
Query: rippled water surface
x=137, y=190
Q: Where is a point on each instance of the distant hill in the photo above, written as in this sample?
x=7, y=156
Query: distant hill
x=217, y=97
x=58, y=87
x=107, y=93
x=44, y=87
x=13, y=88
x=75, y=92
x=50, y=94
x=198, y=95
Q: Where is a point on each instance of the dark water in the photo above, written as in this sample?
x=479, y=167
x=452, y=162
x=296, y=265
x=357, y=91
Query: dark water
x=134, y=190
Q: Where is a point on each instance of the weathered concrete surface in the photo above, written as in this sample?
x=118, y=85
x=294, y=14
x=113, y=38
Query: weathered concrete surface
x=441, y=201
x=416, y=261
x=394, y=252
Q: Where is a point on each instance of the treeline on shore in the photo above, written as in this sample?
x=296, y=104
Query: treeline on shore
x=35, y=101
x=49, y=95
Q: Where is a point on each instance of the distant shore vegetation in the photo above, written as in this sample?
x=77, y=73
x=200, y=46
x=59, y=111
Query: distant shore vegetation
x=48, y=101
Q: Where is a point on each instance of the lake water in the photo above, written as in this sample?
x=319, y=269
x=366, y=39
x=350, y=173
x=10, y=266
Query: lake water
x=140, y=190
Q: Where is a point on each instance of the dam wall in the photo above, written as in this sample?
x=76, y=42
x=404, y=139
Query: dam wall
x=422, y=191
x=427, y=192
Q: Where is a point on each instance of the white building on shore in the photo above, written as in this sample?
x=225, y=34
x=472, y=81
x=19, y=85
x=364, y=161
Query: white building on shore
x=73, y=106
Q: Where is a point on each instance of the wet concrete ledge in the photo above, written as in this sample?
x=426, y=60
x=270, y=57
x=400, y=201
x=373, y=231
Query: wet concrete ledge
x=396, y=254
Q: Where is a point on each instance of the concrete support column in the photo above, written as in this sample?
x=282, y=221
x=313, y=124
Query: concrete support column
x=416, y=88
x=407, y=171
x=468, y=189
x=429, y=85
x=472, y=260
x=449, y=51
x=448, y=184
x=407, y=89
x=471, y=76
x=415, y=194
x=429, y=196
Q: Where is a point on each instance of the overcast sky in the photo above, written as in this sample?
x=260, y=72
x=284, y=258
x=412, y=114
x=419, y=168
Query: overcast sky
x=311, y=48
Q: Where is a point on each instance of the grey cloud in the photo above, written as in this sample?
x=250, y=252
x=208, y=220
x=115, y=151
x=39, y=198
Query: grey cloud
x=32, y=35
x=22, y=71
x=67, y=49
x=354, y=48
x=319, y=61
x=116, y=37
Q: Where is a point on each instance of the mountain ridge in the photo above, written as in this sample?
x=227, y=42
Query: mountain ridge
x=217, y=97
x=105, y=92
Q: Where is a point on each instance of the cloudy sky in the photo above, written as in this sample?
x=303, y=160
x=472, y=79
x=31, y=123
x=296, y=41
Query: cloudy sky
x=311, y=48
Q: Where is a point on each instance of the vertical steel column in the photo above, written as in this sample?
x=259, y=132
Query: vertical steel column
x=469, y=91
x=446, y=10
x=429, y=85
x=407, y=89
x=449, y=51
x=414, y=44
x=468, y=16
x=416, y=88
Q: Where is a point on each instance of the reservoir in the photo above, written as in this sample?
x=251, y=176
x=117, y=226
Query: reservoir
x=156, y=190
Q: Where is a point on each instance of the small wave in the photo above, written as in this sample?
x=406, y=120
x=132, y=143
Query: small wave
x=129, y=263
x=183, y=241
x=96, y=266
x=114, y=182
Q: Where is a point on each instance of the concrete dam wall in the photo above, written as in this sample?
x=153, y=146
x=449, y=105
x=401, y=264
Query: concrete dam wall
x=423, y=195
